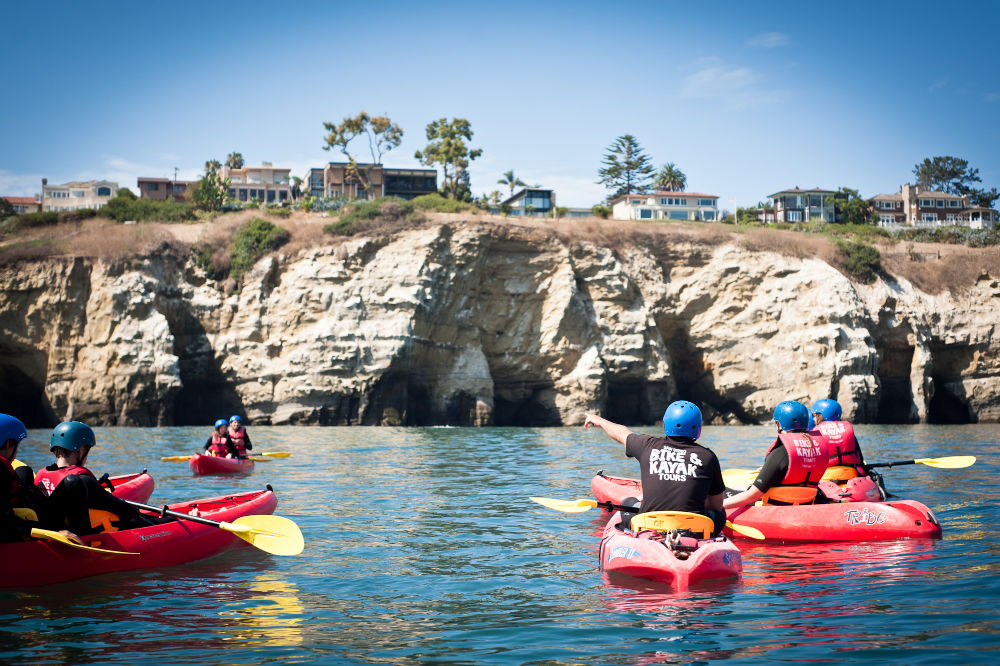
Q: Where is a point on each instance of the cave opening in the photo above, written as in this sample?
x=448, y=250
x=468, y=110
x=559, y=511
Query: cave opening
x=22, y=389
x=525, y=407
x=628, y=403
x=895, y=399
x=946, y=408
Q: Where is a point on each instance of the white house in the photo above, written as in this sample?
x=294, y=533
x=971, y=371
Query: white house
x=77, y=195
x=692, y=206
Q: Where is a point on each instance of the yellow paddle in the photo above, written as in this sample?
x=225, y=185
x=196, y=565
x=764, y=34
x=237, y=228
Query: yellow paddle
x=175, y=458
x=276, y=454
x=272, y=534
x=260, y=459
x=256, y=458
x=948, y=462
x=739, y=478
x=581, y=505
x=39, y=533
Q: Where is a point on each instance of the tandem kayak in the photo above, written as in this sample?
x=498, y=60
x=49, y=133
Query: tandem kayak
x=31, y=563
x=847, y=521
x=664, y=558
x=135, y=487
x=201, y=465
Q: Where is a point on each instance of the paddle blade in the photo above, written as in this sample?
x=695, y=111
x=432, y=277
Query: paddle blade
x=950, y=462
x=576, y=506
x=739, y=478
x=276, y=454
x=260, y=459
x=272, y=534
x=39, y=533
x=746, y=530
x=175, y=458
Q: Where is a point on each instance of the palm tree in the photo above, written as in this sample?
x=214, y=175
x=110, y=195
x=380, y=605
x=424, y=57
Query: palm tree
x=212, y=166
x=670, y=179
x=235, y=161
x=511, y=181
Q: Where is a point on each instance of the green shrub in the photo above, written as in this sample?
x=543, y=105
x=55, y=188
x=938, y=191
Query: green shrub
x=358, y=215
x=283, y=213
x=861, y=261
x=252, y=241
x=952, y=235
x=40, y=219
x=123, y=208
x=601, y=211
x=439, y=203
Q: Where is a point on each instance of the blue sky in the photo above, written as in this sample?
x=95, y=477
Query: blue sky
x=745, y=98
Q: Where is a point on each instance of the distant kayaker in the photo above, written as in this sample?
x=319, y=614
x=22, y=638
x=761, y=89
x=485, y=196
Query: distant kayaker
x=794, y=464
x=20, y=501
x=847, y=463
x=238, y=435
x=76, y=499
x=219, y=443
x=678, y=474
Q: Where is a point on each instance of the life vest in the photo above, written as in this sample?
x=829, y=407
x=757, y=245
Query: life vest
x=14, y=490
x=218, y=446
x=17, y=463
x=807, y=460
x=238, y=438
x=47, y=479
x=843, y=449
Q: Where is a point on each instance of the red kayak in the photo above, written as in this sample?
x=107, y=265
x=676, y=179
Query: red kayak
x=30, y=563
x=201, y=465
x=847, y=521
x=657, y=556
x=135, y=487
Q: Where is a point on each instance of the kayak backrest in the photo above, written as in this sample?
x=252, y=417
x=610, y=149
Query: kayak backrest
x=839, y=473
x=790, y=495
x=667, y=521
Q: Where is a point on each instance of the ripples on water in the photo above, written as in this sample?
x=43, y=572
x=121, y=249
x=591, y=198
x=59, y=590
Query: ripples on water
x=422, y=547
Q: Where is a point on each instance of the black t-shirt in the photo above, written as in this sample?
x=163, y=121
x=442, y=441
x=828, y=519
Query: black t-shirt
x=677, y=473
x=774, y=469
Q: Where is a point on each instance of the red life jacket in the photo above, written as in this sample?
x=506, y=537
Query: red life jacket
x=807, y=457
x=238, y=438
x=48, y=479
x=218, y=446
x=842, y=444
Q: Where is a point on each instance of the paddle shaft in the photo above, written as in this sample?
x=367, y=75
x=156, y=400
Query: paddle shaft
x=891, y=464
x=176, y=514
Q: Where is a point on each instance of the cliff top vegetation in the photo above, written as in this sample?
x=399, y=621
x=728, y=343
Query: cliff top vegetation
x=859, y=252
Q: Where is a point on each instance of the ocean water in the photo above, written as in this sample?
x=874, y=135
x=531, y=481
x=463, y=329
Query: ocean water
x=422, y=547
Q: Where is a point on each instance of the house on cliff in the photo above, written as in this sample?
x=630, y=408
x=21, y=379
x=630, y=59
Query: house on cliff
x=77, y=195
x=266, y=183
x=161, y=189
x=531, y=201
x=24, y=205
x=915, y=207
x=798, y=205
x=691, y=206
x=367, y=181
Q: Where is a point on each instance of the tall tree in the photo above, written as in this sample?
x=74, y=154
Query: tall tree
x=212, y=166
x=511, y=181
x=626, y=167
x=670, y=179
x=447, y=146
x=235, y=161
x=984, y=198
x=946, y=174
x=852, y=208
x=211, y=192
x=383, y=135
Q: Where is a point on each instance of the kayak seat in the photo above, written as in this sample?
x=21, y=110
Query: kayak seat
x=839, y=473
x=668, y=521
x=789, y=495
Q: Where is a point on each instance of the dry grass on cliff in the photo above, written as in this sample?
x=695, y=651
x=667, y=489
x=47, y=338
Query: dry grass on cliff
x=936, y=268
x=95, y=237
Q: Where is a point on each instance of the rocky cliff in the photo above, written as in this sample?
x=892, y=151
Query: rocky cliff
x=477, y=323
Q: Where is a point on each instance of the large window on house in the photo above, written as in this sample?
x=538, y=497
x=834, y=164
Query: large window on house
x=929, y=217
x=794, y=216
x=104, y=191
x=926, y=203
x=152, y=187
x=940, y=203
x=78, y=194
x=678, y=215
x=706, y=202
x=954, y=203
x=645, y=214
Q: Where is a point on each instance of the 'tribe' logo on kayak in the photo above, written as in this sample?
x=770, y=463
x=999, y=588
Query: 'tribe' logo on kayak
x=625, y=552
x=864, y=517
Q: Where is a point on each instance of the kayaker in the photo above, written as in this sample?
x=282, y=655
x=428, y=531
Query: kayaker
x=76, y=500
x=20, y=500
x=847, y=462
x=239, y=436
x=794, y=464
x=678, y=474
x=219, y=443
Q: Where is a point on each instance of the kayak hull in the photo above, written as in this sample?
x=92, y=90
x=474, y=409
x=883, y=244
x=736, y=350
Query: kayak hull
x=841, y=521
x=203, y=465
x=33, y=563
x=134, y=487
x=645, y=555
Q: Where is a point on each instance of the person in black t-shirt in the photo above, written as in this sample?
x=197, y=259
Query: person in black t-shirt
x=677, y=473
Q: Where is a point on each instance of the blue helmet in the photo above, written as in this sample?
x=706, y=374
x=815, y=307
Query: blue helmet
x=682, y=419
x=829, y=409
x=812, y=421
x=72, y=436
x=11, y=428
x=236, y=417
x=221, y=422
x=791, y=415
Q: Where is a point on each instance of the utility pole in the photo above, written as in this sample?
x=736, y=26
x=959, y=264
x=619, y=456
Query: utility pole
x=175, y=175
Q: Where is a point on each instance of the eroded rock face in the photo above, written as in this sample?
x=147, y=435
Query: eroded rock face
x=475, y=324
